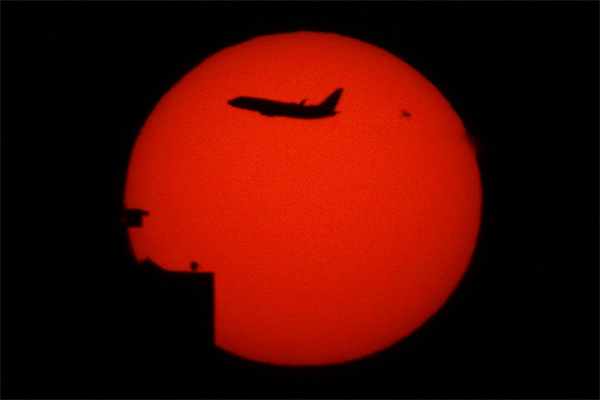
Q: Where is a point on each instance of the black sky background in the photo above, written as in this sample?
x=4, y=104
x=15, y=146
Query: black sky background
x=81, y=319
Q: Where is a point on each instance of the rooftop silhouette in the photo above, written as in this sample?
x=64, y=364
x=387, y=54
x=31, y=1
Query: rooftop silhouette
x=133, y=217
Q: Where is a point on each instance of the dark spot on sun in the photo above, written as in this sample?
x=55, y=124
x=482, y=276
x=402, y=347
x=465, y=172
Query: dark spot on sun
x=194, y=266
x=405, y=113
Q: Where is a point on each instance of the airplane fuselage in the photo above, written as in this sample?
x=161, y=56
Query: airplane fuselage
x=272, y=108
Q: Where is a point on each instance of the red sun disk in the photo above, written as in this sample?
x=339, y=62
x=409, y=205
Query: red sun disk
x=330, y=239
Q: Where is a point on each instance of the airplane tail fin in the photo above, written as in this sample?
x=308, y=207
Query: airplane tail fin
x=330, y=102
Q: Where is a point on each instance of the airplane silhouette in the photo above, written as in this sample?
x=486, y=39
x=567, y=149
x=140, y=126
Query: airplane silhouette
x=271, y=108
